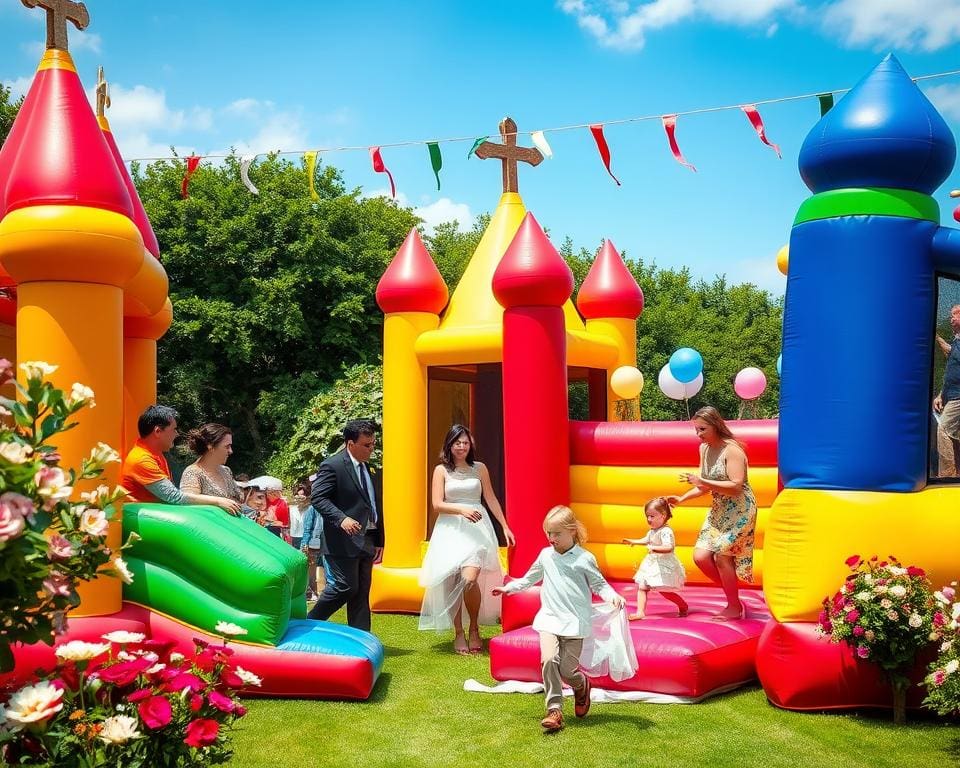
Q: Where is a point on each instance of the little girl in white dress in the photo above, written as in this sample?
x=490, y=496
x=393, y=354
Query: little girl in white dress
x=660, y=570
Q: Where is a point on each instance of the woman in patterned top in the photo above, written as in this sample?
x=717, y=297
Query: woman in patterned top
x=209, y=474
x=724, y=548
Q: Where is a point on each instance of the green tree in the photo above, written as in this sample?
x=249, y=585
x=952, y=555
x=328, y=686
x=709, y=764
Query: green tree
x=452, y=248
x=273, y=294
x=8, y=112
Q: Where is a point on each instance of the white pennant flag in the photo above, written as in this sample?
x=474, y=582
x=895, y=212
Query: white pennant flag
x=245, y=162
x=540, y=142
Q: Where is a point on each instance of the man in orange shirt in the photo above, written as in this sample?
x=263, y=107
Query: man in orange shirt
x=146, y=475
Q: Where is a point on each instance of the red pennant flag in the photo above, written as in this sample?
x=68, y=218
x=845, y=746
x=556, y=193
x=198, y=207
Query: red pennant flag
x=670, y=126
x=193, y=162
x=597, y=131
x=757, y=122
x=379, y=167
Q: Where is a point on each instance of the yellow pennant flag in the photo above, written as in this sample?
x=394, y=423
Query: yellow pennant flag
x=310, y=158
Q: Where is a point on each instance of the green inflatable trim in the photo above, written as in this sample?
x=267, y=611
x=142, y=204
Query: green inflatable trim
x=201, y=566
x=871, y=201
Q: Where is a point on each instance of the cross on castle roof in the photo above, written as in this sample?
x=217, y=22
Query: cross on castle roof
x=509, y=153
x=59, y=12
x=103, y=94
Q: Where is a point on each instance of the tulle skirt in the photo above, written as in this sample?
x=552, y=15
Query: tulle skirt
x=456, y=542
x=609, y=650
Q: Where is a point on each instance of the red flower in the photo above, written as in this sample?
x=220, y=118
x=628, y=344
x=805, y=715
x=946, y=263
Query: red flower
x=231, y=679
x=140, y=695
x=125, y=672
x=239, y=710
x=160, y=647
x=185, y=680
x=196, y=702
x=70, y=676
x=201, y=733
x=155, y=711
x=912, y=570
x=853, y=560
x=852, y=617
x=939, y=619
x=221, y=702
x=858, y=630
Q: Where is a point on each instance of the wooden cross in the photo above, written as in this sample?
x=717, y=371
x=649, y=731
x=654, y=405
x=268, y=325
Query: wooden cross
x=59, y=12
x=103, y=94
x=509, y=153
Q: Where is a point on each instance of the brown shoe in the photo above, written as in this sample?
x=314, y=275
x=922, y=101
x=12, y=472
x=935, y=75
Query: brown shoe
x=553, y=721
x=581, y=699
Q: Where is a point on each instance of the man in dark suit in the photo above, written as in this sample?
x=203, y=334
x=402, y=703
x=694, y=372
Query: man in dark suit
x=346, y=497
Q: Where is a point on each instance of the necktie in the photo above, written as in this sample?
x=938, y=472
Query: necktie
x=367, y=484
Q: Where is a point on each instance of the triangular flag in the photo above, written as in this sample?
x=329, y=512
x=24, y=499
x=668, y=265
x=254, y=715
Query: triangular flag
x=476, y=143
x=245, y=162
x=193, y=162
x=757, y=122
x=597, y=131
x=377, y=160
x=826, y=102
x=436, y=160
x=540, y=142
x=670, y=126
x=310, y=160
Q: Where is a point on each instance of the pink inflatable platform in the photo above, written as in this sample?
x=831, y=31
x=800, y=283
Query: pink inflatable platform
x=689, y=658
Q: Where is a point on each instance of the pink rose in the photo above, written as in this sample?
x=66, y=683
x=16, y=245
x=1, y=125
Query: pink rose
x=239, y=710
x=949, y=593
x=57, y=584
x=862, y=651
x=221, y=702
x=201, y=733
x=196, y=702
x=155, y=712
x=852, y=616
x=60, y=548
x=857, y=630
x=6, y=370
x=939, y=676
x=11, y=522
x=185, y=680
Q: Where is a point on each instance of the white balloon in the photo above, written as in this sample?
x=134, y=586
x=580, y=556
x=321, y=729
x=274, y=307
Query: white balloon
x=692, y=387
x=672, y=388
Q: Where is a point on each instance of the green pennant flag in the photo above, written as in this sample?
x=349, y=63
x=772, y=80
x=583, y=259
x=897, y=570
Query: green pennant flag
x=436, y=161
x=476, y=144
x=826, y=103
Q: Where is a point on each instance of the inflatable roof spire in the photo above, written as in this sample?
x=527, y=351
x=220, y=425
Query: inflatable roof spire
x=412, y=282
x=884, y=133
x=609, y=289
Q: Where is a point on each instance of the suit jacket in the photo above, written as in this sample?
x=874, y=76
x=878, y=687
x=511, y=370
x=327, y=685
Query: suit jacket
x=336, y=494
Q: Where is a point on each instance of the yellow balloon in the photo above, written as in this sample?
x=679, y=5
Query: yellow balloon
x=626, y=382
x=783, y=259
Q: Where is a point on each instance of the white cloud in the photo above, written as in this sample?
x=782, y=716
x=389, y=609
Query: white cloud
x=139, y=108
x=625, y=25
x=761, y=272
x=928, y=25
x=18, y=87
x=246, y=106
x=84, y=41
x=946, y=98
x=444, y=210
x=280, y=131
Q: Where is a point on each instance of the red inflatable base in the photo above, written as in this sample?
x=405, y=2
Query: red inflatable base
x=801, y=671
x=689, y=657
x=284, y=673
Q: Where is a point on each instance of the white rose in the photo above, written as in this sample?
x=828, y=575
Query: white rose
x=37, y=369
x=77, y=650
x=893, y=615
x=122, y=571
x=898, y=590
x=946, y=646
x=897, y=570
x=15, y=453
x=176, y=658
x=156, y=668
x=80, y=393
x=226, y=628
x=94, y=522
x=862, y=596
x=915, y=620
x=880, y=589
x=248, y=677
x=103, y=454
x=885, y=603
x=952, y=666
x=122, y=636
x=35, y=703
x=119, y=729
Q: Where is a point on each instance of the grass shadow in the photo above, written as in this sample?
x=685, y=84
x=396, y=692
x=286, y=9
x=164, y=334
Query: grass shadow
x=953, y=750
x=380, y=690
x=392, y=650
x=600, y=719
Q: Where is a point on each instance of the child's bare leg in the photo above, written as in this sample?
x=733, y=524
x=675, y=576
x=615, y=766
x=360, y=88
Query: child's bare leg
x=678, y=601
x=641, y=604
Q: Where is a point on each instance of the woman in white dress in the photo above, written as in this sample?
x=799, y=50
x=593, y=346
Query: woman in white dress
x=462, y=563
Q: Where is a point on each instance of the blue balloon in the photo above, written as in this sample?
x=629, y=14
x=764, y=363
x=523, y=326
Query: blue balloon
x=686, y=364
x=779, y=362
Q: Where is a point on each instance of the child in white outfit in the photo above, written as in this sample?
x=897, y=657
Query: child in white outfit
x=660, y=570
x=570, y=577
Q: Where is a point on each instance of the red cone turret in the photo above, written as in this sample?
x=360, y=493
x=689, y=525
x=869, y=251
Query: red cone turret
x=609, y=289
x=531, y=272
x=412, y=282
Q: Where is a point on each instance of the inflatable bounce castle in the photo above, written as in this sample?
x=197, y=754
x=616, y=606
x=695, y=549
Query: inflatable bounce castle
x=85, y=289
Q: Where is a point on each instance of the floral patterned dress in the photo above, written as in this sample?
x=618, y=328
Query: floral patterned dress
x=731, y=522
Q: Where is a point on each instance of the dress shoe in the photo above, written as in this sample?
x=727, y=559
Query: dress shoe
x=553, y=721
x=581, y=699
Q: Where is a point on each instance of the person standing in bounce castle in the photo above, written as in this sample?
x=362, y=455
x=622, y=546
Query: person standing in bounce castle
x=947, y=401
x=570, y=578
x=345, y=496
x=462, y=561
x=660, y=570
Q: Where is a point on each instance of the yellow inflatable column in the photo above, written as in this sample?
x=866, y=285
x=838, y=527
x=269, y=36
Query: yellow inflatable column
x=140, y=336
x=611, y=301
x=411, y=293
x=68, y=241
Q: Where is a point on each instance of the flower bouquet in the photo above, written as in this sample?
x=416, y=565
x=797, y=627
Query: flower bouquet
x=47, y=543
x=943, y=680
x=884, y=612
x=128, y=702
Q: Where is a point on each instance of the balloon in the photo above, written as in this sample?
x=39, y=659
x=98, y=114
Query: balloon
x=668, y=385
x=750, y=383
x=685, y=364
x=779, y=363
x=626, y=382
x=692, y=387
x=783, y=259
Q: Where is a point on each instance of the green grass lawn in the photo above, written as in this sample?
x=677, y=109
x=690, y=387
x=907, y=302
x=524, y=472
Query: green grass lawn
x=419, y=715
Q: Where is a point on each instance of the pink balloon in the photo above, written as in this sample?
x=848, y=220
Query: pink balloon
x=750, y=383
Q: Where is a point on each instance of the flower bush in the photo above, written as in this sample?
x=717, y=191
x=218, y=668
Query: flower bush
x=127, y=702
x=884, y=612
x=47, y=543
x=943, y=680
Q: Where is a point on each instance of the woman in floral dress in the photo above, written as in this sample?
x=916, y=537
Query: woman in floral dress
x=724, y=548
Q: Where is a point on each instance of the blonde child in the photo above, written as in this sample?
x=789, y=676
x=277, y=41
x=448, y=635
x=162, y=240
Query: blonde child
x=660, y=569
x=570, y=577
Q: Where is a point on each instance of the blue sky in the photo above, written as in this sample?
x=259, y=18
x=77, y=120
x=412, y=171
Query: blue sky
x=311, y=75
